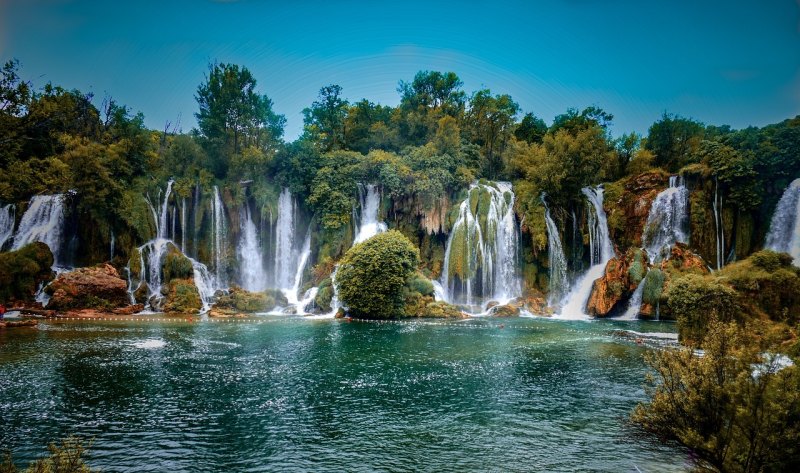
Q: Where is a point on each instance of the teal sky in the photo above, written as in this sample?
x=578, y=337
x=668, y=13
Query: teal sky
x=734, y=63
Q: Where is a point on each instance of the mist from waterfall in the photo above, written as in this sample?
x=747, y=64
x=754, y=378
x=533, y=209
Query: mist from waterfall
x=784, y=229
x=480, y=263
x=43, y=221
x=668, y=220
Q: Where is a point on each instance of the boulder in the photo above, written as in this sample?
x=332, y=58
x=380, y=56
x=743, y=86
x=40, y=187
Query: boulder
x=182, y=297
x=507, y=310
x=621, y=277
x=97, y=287
x=628, y=204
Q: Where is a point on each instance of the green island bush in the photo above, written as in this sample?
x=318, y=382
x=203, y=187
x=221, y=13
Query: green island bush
x=373, y=274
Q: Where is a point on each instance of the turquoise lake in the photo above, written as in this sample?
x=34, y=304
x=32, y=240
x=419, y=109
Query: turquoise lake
x=291, y=394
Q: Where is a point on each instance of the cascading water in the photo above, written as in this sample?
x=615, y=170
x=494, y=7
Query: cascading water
x=251, y=260
x=480, y=262
x=370, y=207
x=635, y=304
x=151, y=258
x=668, y=220
x=7, y=215
x=44, y=222
x=556, y=259
x=218, y=221
x=718, y=225
x=285, y=266
x=600, y=251
x=784, y=229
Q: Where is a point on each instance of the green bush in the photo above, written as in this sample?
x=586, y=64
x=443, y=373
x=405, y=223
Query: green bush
x=23, y=270
x=372, y=275
x=731, y=416
x=177, y=266
x=695, y=300
x=653, y=286
x=183, y=297
x=420, y=284
x=770, y=260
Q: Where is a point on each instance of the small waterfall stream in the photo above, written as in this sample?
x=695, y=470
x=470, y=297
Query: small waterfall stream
x=718, y=225
x=635, y=304
x=480, y=263
x=7, y=216
x=43, y=221
x=218, y=223
x=600, y=251
x=251, y=260
x=555, y=258
x=668, y=220
x=784, y=229
x=285, y=257
x=370, y=208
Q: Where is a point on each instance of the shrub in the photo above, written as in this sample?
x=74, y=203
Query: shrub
x=68, y=457
x=372, y=275
x=23, y=270
x=177, y=266
x=735, y=409
x=695, y=299
x=653, y=286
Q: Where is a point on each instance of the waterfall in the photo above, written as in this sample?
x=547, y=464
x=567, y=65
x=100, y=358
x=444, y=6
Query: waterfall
x=111, y=253
x=668, y=220
x=284, y=239
x=718, y=225
x=292, y=295
x=370, y=207
x=7, y=215
x=635, y=304
x=480, y=262
x=253, y=275
x=600, y=251
x=556, y=259
x=183, y=224
x=784, y=229
x=218, y=220
x=44, y=222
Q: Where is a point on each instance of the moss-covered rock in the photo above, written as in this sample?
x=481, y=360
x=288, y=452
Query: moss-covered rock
x=621, y=277
x=23, y=271
x=506, y=310
x=182, y=297
x=98, y=287
x=176, y=265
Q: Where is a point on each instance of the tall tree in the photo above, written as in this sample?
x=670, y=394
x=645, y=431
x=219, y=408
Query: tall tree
x=426, y=99
x=233, y=115
x=531, y=129
x=673, y=140
x=325, y=119
x=15, y=95
x=491, y=119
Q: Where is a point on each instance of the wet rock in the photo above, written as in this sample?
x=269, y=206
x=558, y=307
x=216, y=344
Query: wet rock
x=97, y=287
x=507, y=310
x=182, y=297
x=621, y=277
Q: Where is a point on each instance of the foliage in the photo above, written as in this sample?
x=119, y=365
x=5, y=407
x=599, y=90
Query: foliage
x=233, y=115
x=653, y=287
x=695, y=300
x=490, y=120
x=182, y=297
x=373, y=274
x=23, y=270
x=66, y=457
x=325, y=119
x=673, y=140
x=734, y=407
x=177, y=266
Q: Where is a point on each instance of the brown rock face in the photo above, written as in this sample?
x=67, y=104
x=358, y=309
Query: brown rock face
x=628, y=212
x=619, y=281
x=98, y=287
x=682, y=259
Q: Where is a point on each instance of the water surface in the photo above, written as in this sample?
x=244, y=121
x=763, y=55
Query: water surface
x=287, y=394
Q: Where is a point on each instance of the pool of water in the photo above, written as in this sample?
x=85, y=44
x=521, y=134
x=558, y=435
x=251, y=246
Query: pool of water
x=287, y=394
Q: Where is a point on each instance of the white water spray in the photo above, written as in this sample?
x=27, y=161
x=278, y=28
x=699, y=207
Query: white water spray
x=251, y=260
x=44, y=222
x=784, y=229
x=7, y=216
x=668, y=220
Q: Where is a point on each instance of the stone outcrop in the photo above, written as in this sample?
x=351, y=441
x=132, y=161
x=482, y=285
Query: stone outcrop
x=182, y=297
x=239, y=302
x=622, y=276
x=97, y=287
x=628, y=203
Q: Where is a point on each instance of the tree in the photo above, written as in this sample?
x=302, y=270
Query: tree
x=325, y=119
x=425, y=100
x=573, y=122
x=531, y=129
x=372, y=275
x=233, y=115
x=362, y=120
x=491, y=119
x=673, y=140
x=734, y=406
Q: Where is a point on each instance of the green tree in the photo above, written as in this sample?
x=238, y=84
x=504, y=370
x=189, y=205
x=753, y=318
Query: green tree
x=491, y=119
x=673, y=140
x=736, y=409
x=233, y=115
x=695, y=300
x=573, y=122
x=531, y=129
x=15, y=95
x=325, y=119
x=372, y=275
x=427, y=98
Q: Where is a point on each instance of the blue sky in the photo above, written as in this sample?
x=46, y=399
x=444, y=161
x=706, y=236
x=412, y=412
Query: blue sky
x=734, y=63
